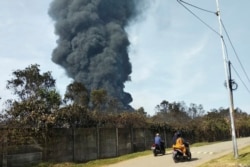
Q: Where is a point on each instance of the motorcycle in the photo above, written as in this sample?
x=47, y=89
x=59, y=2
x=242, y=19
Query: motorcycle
x=178, y=155
x=158, y=149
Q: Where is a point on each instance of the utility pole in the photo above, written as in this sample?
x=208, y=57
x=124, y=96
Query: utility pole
x=229, y=84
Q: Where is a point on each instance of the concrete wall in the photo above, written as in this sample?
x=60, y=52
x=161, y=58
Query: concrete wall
x=79, y=145
x=24, y=160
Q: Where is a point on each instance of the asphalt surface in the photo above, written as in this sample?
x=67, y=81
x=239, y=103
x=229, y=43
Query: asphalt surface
x=200, y=155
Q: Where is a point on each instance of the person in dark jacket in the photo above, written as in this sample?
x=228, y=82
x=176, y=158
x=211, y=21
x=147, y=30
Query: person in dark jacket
x=174, y=138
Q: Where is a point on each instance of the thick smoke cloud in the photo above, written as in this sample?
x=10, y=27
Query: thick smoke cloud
x=93, y=44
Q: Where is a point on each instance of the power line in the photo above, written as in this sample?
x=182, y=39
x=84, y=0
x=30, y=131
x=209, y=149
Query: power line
x=233, y=66
x=240, y=79
x=181, y=3
x=235, y=52
x=198, y=7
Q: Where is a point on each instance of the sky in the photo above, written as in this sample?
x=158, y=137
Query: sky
x=174, y=56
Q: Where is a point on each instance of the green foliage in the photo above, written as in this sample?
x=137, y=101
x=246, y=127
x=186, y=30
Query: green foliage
x=132, y=119
x=26, y=83
x=216, y=125
x=74, y=116
x=195, y=110
x=77, y=94
x=37, y=98
x=213, y=126
x=38, y=105
x=99, y=99
x=172, y=113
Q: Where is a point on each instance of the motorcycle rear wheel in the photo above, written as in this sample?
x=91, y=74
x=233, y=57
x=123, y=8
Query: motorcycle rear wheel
x=189, y=156
x=155, y=153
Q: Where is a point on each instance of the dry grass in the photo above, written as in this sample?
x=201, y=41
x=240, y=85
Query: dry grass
x=224, y=161
x=97, y=163
x=229, y=161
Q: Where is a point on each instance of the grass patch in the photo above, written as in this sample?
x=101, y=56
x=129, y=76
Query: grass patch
x=103, y=162
x=202, y=144
x=229, y=160
x=97, y=163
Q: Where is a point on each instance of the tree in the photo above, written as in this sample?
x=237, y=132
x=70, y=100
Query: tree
x=77, y=94
x=99, y=99
x=195, y=110
x=74, y=116
x=242, y=123
x=142, y=112
x=164, y=106
x=216, y=125
x=114, y=105
x=131, y=119
x=174, y=114
x=37, y=99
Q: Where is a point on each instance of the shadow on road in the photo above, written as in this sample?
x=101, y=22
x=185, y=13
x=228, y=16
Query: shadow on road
x=159, y=155
x=185, y=161
x=194, y=159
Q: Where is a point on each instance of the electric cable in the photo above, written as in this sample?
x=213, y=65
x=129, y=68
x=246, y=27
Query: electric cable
x=180, y=2
x=235, y=52
x=198, y=7
x=240, y=79
x=226, y=51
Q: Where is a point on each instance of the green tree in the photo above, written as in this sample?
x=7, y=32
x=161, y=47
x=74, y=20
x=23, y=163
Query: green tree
x=75, y=112
x=195, y=110
x=174, y=114
x=142, y=112
x=37, y=99
x=114, y=105
x=74, y=116
x=132, y=119
x=216, y=125
x=242, y=121
x=99, y=99
x=77, y=93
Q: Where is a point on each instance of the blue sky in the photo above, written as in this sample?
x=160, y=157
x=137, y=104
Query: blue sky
x=174, y=56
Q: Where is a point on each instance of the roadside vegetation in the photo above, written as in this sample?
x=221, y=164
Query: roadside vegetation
x=228, y=160
x=202, y=144
x=97, y=163
x=38, y=107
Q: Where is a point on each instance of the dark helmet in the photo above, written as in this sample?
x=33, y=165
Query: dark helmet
x=178, y=134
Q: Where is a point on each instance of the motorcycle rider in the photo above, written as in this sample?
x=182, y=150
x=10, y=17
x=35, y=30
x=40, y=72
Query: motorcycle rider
x=158, y=140
x=174, y=138
x=179, y=144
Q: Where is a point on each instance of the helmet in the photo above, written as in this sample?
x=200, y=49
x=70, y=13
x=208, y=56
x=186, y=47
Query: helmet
x=178, y=134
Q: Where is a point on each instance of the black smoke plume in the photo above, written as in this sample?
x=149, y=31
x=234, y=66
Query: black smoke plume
x=93, y=43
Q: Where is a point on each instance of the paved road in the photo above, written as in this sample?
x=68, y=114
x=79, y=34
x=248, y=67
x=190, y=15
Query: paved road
x=200, y=155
